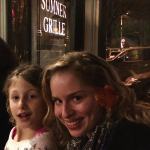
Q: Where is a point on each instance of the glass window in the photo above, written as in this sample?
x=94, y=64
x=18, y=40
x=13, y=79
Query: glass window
x=19, y=28
x=128, y=21
x=134, y=55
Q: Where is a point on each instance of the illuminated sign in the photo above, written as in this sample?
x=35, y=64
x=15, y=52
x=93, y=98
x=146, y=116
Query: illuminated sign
x=52, y=24
x=53, y=17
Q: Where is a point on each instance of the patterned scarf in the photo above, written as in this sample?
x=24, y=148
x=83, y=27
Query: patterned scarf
x=97, y=140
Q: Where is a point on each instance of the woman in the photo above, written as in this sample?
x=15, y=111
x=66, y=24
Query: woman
x=93, y=108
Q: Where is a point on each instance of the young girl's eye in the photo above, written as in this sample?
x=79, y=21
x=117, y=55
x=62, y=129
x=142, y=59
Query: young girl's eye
x=32, y=96
x=14, y=98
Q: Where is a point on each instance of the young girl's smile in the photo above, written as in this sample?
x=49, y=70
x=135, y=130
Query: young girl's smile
x=26, y=104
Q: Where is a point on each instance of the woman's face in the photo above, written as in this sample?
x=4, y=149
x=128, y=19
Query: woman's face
x=74, y=103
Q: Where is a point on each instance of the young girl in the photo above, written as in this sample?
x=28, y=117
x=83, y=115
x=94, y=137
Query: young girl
x=27, y=110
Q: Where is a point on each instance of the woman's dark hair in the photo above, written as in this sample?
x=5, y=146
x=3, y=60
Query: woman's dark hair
x=8, y=61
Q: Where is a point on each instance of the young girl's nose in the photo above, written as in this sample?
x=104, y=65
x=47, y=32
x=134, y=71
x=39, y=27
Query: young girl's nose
x=22, y=102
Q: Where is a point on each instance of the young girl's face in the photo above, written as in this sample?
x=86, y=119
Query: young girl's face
x=26, y=104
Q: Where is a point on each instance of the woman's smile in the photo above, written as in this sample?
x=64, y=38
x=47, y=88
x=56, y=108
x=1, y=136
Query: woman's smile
x=72, y=125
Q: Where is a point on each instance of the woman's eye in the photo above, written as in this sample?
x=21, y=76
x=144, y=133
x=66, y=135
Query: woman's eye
x=57, y=101
x=77, y=98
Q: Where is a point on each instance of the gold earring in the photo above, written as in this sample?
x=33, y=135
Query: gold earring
x=100, y=100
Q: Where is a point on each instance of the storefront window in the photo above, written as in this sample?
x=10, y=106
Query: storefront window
x=19, y=30
x=129, y=21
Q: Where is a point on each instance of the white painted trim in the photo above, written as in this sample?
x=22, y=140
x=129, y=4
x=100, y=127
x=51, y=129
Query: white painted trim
x=3, y=15
x=91, y=25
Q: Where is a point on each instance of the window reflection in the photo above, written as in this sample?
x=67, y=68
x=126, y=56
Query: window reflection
x=19, y=29
x=128, y=20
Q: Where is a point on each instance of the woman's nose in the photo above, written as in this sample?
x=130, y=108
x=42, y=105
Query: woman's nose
x=67, y=111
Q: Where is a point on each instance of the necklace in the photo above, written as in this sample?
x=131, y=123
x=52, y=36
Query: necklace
x=96, y=141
